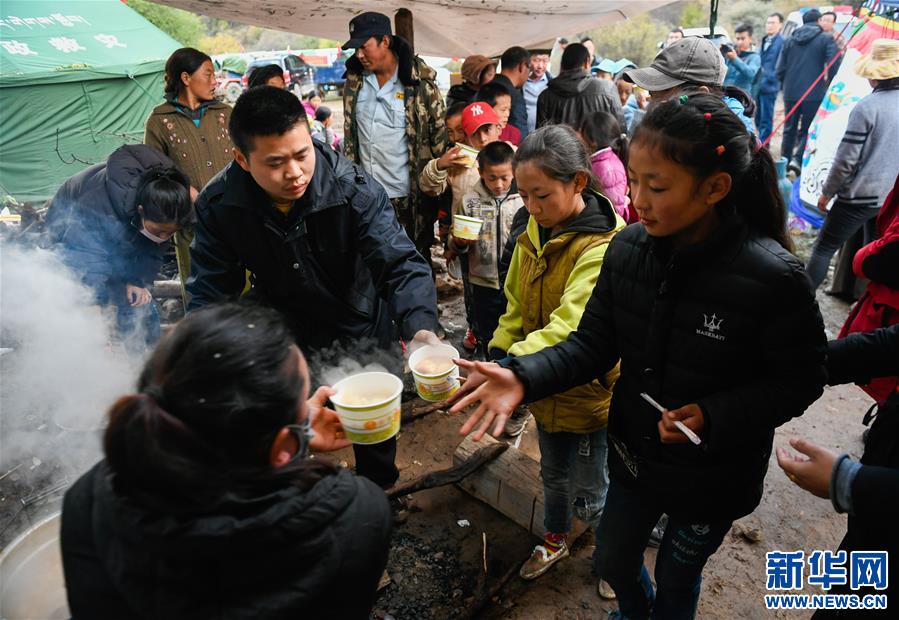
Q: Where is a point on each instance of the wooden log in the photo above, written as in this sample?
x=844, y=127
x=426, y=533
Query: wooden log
x=511, y=484
x=413, y=412
x=403, y=26
x=167, y=288
x=448, y=476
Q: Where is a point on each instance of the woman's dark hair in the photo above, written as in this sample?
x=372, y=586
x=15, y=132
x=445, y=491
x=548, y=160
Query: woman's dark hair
x=701, y=133
x=490, y=91
x=210, y=401
x=558, y=151
x=184, y=60
x=264, y=111
x=602, y=130
x=311, y=95
x=261, y=75
x=889, y=84
x=164, y=195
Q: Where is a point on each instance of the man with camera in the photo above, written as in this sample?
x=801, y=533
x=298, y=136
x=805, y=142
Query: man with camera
x=743, y=63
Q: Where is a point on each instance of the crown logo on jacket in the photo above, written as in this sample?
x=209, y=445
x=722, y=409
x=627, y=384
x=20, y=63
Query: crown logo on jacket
x=712, y=324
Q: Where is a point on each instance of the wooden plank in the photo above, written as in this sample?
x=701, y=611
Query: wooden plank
x=511, y=484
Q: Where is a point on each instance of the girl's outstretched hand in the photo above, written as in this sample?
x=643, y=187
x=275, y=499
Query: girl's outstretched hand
x=496, y=390
x=812, y=473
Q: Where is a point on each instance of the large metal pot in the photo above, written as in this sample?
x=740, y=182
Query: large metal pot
x=31, y=577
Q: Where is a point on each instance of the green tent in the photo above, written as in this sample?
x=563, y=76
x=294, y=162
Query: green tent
x=78, y=78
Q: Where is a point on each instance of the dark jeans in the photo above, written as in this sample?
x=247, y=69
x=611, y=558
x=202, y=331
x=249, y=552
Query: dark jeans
x=624, y=530
x=764, y=114
x=487, y=305
x=796, y=128
x=377, y=462
x=575, y=478
x=841, y=223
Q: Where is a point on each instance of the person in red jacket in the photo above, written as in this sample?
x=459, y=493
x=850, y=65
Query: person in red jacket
x=878, y=307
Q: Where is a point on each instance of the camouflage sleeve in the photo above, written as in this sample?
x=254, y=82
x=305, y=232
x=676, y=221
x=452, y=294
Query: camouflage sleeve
x=349, y=135
x=437, y=120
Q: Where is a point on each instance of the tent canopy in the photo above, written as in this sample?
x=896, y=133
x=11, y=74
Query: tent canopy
x=442, y=28
x=78, y=79
x=76, y=40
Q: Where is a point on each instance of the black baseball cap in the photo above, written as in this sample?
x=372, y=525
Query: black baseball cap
x=367, y=25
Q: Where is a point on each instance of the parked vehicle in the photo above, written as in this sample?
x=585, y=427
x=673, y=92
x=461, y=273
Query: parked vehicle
x=330, y=77
x=299, y=76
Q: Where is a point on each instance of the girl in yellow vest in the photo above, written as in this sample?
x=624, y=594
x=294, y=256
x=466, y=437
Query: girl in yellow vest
x=554, y=268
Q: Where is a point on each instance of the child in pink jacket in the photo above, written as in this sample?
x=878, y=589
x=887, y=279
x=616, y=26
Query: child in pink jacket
x=608, y=143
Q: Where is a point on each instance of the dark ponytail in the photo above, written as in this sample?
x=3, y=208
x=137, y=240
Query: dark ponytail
x=184, y=60
x=602, y=130
x=164, y=195
x=210, y=401
x=701, y=133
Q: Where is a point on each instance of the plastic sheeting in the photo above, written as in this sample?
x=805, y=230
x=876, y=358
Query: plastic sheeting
x=442, y=27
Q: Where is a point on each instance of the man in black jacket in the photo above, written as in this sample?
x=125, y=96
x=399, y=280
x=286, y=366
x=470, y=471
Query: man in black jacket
x=320, y=240
x=803, y=58
x=514, y=70
x=575, y=94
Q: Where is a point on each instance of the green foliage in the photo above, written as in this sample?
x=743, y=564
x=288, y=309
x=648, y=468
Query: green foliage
x=184, y=27
x=636, y=39
x=221, y=43
x=695, y=15
x=752, y=12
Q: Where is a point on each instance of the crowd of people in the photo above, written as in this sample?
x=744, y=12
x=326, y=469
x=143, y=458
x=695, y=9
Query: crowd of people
x=633, y=244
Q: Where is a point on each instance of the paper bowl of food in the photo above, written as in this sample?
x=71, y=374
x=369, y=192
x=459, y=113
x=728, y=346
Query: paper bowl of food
x=436, y=376
x=465, y=227
x=471, y=155
x=368, y=405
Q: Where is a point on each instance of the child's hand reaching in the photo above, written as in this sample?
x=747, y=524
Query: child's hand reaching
x=690, y=415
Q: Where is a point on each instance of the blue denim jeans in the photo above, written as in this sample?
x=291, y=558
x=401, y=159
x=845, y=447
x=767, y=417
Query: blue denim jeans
x=575, y=478
x=627, y=522
x=764, y=114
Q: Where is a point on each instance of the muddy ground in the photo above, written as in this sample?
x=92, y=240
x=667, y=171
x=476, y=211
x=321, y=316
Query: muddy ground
x=435, y=563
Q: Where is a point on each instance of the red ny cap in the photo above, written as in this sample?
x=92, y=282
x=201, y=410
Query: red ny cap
x=476, y=115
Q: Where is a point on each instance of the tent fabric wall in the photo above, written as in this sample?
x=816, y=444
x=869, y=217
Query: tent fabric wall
x=77, y=76
x=442, y=28
x=92, y=119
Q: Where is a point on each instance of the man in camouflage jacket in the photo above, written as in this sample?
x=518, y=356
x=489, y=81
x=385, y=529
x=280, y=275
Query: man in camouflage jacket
x=424, y=112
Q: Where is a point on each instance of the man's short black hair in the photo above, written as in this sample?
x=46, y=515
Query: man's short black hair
x=829, y=13
x=744, y=28
x=779, y=16
x=811, y=16
x=574, y=56
x=678, y=30
x=260, y=75
x=456, y=109
x=495, y=154
x=514, y=56
x=490, y=91
x=264, y=111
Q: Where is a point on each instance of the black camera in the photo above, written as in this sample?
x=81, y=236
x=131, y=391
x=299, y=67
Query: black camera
x=726, y=48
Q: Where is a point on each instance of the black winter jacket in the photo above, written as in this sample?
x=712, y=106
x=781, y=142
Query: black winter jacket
x=730, y=324
x=802, y=59
x=460, y=93
x=339, y=266
x=281, y=554
x=575, y=95
x=93, y=221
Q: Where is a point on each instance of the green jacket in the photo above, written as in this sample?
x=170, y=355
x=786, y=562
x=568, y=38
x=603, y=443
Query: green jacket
x=547, y=288
x=425, y=123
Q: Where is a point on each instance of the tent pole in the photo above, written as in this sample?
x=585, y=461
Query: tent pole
x=403, y=26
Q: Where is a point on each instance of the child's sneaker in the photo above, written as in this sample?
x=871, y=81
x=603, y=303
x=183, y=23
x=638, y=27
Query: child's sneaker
x=517, y=421
x=553, y=549
x=470, y=343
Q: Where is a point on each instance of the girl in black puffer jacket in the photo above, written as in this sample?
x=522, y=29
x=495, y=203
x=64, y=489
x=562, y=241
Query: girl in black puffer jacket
x=711, y=315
